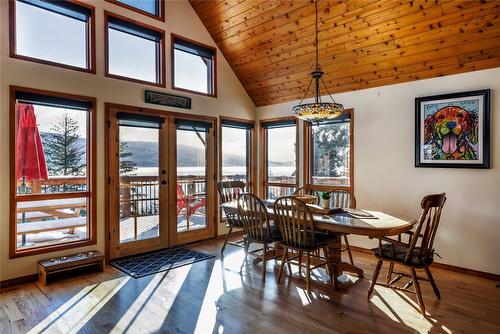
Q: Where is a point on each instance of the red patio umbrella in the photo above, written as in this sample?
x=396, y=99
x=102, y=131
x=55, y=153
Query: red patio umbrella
x=31, y=163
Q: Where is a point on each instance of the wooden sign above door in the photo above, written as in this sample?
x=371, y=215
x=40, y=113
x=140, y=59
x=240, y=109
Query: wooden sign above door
x=167, y=100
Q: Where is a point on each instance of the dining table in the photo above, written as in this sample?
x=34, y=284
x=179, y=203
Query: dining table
x=369, y=223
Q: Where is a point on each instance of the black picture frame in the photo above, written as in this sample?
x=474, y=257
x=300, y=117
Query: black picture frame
x=459, y=150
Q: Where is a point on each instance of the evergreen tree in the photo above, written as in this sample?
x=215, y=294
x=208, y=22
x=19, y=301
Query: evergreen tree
x=64, y=154
x=127, y=166
x=330, y=150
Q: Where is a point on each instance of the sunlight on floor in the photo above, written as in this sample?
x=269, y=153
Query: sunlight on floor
x=139, y=313
x=72, y=315
x=403, y=309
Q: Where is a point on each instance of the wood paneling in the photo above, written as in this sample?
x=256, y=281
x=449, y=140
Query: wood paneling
x=363, y=44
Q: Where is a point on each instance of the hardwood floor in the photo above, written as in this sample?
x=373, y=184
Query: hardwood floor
x=213, y=297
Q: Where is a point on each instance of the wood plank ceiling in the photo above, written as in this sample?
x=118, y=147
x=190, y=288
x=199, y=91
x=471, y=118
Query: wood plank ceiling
x=363, y=43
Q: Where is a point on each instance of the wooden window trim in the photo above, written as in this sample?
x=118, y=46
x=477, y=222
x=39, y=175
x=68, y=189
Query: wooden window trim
x=161, y=5
x=251, y=151
x=161, y=63
x=263, y=155
x=90, y=194
x=308, y=158
x=172, y=66
x=91, y=53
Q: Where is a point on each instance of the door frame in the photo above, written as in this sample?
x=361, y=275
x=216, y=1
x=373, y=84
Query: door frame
x=212, y=212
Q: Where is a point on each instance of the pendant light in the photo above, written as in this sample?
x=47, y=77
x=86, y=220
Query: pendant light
x=318, y=110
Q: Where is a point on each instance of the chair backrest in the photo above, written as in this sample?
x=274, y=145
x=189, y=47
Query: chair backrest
x=294, y=219
x=425, y=231
x=230, y=190
x=342, y=199
x=253, y=217
x=308, y=191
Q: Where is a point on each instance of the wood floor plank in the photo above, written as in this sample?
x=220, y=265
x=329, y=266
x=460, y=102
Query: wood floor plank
x=213, y=296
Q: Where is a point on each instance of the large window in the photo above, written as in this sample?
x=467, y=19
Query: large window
x=329, y=152
x=280, y=162
x=53, y=32
x=151, y=8
x=134, y=52
x=236, y=146
x=53, y=180
x=194, y=67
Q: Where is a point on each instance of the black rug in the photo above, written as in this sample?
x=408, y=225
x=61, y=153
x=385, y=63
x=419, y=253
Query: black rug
x=151, y=263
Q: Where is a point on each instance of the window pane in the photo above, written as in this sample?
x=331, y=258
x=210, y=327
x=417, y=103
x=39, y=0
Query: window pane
x=234, y=154
x=47, y=35
x=191, y=180
x=51, y=149
x=139, y=183
x=281, y=155
x=275, y=192
x=148, y=6
x=331, y=154
x=51, y=222
x=192, y=72
x=132, y=56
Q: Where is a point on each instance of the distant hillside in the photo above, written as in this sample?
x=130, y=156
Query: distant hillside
x=145, y=154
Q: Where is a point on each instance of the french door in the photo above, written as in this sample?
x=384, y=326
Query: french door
x=161, y=184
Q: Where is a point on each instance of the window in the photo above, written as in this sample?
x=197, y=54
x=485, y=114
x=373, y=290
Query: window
x=134, y=52
x=194, y=67
x=280, y=162
x=151, y=8
x=236, y=143
x=329, y=152
x=53, y=183
x=53, y=32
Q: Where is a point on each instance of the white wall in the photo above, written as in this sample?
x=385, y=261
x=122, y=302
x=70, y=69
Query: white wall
x=180, y=19
x=385, y=177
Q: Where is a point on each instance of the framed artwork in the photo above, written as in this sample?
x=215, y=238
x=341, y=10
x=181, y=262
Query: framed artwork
x=453, y=130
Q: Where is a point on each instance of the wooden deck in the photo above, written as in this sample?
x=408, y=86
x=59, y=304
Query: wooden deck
x=213, y=297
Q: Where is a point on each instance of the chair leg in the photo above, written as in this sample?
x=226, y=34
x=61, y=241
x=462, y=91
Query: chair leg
x=300, y=263
x=283, y=262
x=225, y=241
x=329, y=269
x=389, y=272
x=374, y=278
x=433, y=283
x=246, y=247
x=308, y=272
x=416, y=286
x=348, y=249
x=264, y=261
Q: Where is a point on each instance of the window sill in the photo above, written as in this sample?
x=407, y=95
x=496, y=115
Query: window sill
x=52, y=63
x=214, y=95
x=120, y=77
x=48, y=249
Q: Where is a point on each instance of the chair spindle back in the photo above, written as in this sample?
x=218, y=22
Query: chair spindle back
x=294, y=220
x=342, y=199
x=230, y=190
x=253, y=217
x=427, y=226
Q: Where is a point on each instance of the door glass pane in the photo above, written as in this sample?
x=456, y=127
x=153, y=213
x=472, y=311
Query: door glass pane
x=281, y=155
x=139, y=183
x=191, y=180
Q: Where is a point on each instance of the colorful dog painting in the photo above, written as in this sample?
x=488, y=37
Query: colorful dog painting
x=451, y=134
x=452, y=130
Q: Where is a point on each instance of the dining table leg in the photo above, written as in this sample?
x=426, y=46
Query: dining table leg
x=335, y=259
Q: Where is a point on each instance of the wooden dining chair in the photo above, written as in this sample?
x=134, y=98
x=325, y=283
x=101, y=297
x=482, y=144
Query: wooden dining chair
x=305, y=190
x=256, y=226
x=297, y=228
x=343, y=199
x=230, y=191
x=416, y=253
